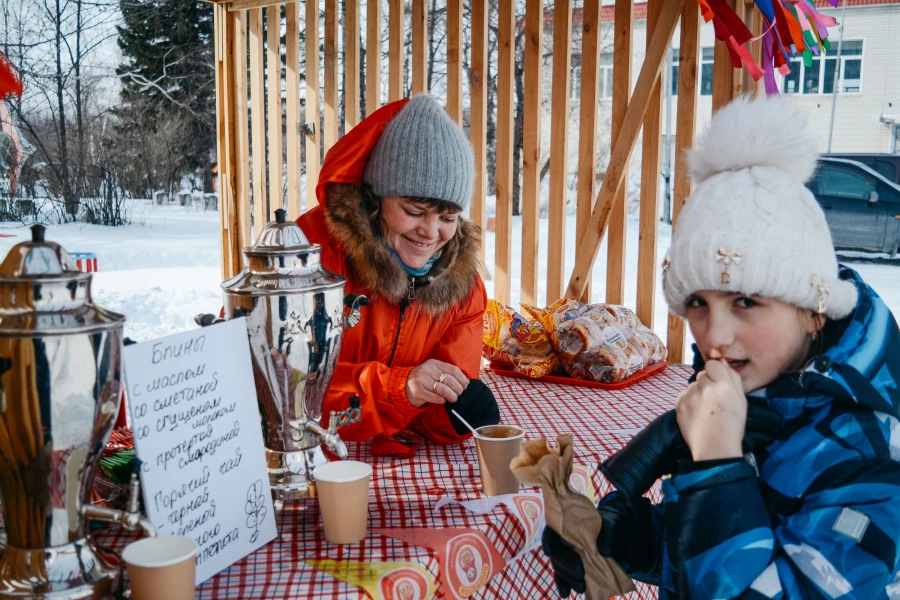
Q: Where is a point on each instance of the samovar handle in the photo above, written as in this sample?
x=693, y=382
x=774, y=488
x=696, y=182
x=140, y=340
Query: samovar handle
x=352, y=305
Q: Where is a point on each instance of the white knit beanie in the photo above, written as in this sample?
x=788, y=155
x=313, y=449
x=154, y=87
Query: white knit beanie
x=751, y=226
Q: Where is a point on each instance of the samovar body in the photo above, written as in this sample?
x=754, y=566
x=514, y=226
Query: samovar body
x=295, y=311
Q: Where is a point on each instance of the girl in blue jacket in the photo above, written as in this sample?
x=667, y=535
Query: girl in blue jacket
x=783, y=451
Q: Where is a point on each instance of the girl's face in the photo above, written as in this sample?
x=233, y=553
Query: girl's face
x=415, y=231
x=761, y=338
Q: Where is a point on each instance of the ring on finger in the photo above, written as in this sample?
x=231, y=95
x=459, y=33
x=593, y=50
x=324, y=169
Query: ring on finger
x=443, y=375
x=434, y=387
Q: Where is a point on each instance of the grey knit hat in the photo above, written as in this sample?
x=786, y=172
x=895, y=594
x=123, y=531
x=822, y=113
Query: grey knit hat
x=422, y=153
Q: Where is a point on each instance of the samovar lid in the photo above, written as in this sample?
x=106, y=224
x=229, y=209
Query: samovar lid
x=42, y=292
x=282, y=261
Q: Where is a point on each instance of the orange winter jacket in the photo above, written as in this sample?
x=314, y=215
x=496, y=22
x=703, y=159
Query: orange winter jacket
x=409, y=319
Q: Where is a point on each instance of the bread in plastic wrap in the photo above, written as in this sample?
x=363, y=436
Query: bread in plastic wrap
x=599, y=342
x=509, y=339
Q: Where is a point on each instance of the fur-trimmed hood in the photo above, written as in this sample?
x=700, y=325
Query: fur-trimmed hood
x=449, y=282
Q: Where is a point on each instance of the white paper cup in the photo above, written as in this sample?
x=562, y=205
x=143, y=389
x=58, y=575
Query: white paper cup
x=162, y=567
x=343, y=490
x=494, y=456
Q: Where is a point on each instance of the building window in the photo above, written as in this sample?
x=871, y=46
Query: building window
x=575, y=83
x=818, y=77
x=606, y=75
x=706, y=71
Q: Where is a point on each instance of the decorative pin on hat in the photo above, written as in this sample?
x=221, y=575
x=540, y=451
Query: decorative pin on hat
x=727, y=257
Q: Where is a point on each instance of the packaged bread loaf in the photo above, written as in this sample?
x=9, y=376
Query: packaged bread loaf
x=509, y=339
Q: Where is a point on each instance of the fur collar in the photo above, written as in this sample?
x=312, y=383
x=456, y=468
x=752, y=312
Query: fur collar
x=450, y=280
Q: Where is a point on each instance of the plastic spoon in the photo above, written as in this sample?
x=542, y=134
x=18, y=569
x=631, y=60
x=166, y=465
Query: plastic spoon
x=466, y=423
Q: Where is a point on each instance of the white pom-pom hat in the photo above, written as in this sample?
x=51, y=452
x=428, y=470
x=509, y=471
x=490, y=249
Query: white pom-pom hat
x=751, y=226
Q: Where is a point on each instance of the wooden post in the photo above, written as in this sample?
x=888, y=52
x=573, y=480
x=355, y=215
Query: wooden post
x=559, y=123
x=312, y=102
x=587, y=132
x=419, y=46
x=478, y=110
x=330, y=127
x=688, y=71
x=351, y=64
x=723, y=72
x=273, y=62
x=258, y=121
x=531, y=151
x=224, y=30
x=396, y=35
x=504, y=180
x=615, y=247
x=292, y=108
x=242, y=127
x=649, y=221
x=454, y=59
x=622, y=149
x=373, y=56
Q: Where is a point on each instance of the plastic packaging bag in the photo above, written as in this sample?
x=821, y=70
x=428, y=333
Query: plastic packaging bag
x=512, y=340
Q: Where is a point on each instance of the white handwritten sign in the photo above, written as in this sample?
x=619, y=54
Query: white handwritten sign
x=196, y=429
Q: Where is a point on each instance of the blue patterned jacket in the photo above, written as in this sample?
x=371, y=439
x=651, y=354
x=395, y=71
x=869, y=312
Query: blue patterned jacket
x=816, y=514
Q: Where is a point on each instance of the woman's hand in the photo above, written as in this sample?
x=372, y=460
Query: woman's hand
x=436, y=382
x=712, y=413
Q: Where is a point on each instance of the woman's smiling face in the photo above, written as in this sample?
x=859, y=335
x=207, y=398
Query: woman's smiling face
x=414, y=230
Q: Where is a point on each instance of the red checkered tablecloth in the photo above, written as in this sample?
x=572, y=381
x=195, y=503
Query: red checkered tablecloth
x=404, y=492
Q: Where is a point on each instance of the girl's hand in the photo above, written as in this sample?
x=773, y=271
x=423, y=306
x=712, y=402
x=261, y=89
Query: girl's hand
x=712, y=413
x=436, y=382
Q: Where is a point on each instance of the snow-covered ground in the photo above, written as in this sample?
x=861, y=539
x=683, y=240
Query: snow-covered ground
x=165, y=268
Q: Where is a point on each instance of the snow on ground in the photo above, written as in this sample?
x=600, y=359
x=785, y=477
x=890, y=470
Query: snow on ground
x=165, y=267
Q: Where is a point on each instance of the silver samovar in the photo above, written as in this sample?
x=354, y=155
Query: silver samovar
x=60, y=383
x=296, y=312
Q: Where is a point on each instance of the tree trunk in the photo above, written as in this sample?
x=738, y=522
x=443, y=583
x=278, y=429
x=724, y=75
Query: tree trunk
x=71, y=203
x=519, y=125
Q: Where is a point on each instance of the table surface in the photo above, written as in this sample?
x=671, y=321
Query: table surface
x=404, y=493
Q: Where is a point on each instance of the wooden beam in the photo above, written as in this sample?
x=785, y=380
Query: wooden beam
x=273, y=64
x=351, y=64
x=292, y=130
x=373, y=56
x=723, y=72
x=312, y=103
x=622, y=149
x=618, y=226
x=330, y=72
x=258, y=121
x=396, y=39
x=419, y=46
x=531, y=150
x=242, y=127
x=478, y=111
x=224, y=57
x=649, y=218
x=688, y=76
x=504, y=180
x=454, y=59
x=239, y=5
x=587, y=129
x=559, y=140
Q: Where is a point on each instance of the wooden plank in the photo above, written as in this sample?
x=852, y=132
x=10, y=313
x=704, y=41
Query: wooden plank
x=351, y=64
x=649, y=218
x=478, y=111
x=292, y=108
x=454, y=59
x=373, y=56
x=754, y=21
x=688, y=71
x=276, y=141
x=504, y=180
x=242, y=127
x=723, y=72
x=531, y=150
x=330, y=126
x=258, y=120
x=239, y=5
x=587, y=130
x=224, y=55
x=419, y=46
x=559, y=139
x=312, y=102
x=615, y=247
x=396, y=39
x=622, y=149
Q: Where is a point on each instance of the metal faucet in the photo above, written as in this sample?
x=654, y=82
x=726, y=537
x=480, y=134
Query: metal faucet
x=130, y=518
x=330, y=436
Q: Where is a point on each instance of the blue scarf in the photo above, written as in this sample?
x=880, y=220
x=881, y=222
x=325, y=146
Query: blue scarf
x=420, y=271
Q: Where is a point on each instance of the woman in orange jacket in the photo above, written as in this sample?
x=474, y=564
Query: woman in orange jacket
x=391, y=193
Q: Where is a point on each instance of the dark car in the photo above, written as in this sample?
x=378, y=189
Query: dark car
x=862, y=207
x=885, y=164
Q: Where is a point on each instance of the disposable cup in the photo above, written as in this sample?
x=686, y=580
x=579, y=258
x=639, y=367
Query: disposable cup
x=497, y=446
x=343, y=490
x=162, y=567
